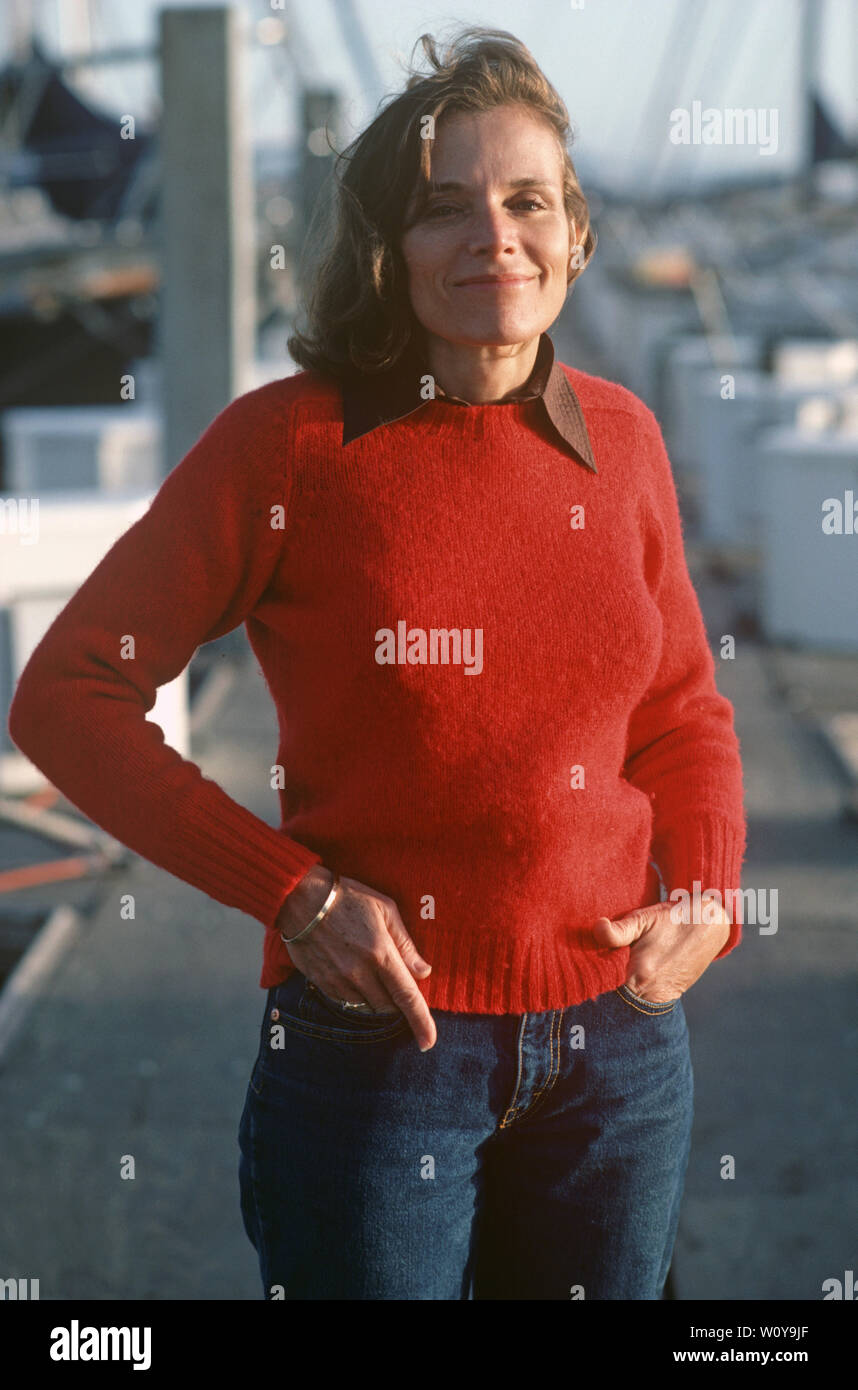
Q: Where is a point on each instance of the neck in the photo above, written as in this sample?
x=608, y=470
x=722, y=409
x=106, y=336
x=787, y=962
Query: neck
x=479, y=373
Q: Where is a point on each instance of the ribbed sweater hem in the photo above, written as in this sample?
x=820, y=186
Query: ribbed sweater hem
x=491, y=974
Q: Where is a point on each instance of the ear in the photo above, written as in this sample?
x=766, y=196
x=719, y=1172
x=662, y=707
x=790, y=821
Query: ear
x=573, y=247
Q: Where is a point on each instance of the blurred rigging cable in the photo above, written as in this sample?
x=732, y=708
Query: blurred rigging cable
x=616, y=128
x=359, y=48
x=731, y=36
x=681, y=37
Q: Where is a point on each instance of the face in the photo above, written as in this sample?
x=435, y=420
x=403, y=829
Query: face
x=501, y=214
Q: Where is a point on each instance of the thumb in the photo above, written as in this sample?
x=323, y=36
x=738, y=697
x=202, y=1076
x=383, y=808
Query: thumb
x=407, y=949
x=624, y=930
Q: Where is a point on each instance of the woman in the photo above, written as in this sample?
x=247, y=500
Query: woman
x=461, y=568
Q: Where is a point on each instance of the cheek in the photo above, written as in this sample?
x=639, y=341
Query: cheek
x=556, y=249
x=426, y=290
x=420, y=271
x=424, y=267
x=426, y=259
x=560, y=261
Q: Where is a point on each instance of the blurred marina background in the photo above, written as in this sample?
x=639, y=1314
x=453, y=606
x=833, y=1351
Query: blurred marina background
x=159, y=169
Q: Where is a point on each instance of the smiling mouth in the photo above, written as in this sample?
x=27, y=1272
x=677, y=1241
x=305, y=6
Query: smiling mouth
x=496, y=283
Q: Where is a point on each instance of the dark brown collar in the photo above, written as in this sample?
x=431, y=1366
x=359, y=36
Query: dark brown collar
x=373, y=399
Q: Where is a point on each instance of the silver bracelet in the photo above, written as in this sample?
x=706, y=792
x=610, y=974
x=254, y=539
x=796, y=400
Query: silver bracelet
x=323, y=912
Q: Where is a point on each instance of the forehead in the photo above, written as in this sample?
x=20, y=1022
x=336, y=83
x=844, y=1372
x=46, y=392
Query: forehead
x=507, y=144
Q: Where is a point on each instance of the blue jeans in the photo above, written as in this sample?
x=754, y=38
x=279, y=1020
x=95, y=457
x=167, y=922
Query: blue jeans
x=524, y=1156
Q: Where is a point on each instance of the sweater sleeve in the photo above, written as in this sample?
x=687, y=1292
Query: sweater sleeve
x=682, y=749
x=189, y=570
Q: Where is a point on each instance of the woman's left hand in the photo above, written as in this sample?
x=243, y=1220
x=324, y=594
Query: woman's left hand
x=667, y=955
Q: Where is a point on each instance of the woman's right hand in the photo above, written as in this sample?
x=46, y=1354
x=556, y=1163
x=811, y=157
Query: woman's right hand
x=360, y=950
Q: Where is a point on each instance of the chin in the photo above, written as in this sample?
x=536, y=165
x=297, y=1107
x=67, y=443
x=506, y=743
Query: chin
x=500, y=335
x=498, y=329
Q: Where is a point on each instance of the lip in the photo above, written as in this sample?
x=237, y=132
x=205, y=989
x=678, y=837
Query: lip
x=494, y=281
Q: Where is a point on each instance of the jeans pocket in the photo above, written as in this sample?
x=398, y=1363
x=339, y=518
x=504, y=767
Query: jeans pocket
x=646, y=1006
x=339, y=1008
x=299, y=1006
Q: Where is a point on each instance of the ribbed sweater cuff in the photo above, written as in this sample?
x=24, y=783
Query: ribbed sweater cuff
x=240, y=859
x=707, y=851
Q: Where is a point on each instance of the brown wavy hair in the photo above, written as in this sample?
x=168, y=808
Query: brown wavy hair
x=358, y=310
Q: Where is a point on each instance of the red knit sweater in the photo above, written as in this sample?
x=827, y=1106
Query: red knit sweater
x=503, y=808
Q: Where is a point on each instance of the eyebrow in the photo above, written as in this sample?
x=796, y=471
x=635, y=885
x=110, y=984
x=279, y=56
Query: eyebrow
x=452, y=185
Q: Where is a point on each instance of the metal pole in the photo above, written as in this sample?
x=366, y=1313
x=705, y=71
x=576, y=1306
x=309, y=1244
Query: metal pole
x=808, y=50
x=208, y=312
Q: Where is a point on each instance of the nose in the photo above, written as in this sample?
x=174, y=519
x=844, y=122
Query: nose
x=491, y=232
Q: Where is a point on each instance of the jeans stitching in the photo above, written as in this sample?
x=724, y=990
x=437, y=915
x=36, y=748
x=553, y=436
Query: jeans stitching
x=653, y=1008
x=331, y=1033
x=515, y=1112
x=312, y=990
x=542, y=1085
x=511, y=1109
x=334, y=1034
x=552, y=1076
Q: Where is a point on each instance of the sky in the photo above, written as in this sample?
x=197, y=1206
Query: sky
x=621, y=66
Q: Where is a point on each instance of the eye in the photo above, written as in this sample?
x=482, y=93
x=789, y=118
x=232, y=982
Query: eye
x=449, y=207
